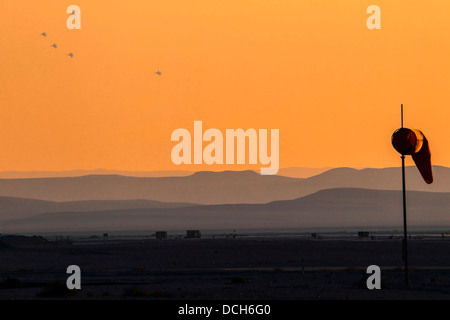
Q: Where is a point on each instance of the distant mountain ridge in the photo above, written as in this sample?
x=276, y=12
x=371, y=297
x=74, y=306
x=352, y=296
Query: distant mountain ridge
x=79, y=173
x=342, y=207
x=217, y=187
x=16, y=208
x=293, y=172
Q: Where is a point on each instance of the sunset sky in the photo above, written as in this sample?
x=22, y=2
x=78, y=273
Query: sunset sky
x=311, y=69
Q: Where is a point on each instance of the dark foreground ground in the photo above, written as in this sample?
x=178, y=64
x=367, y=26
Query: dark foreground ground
x=275, y=268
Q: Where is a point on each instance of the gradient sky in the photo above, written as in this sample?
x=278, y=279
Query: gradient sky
x=309, y=68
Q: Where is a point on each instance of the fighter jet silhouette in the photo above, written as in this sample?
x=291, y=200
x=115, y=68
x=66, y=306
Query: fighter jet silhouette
x=70, y=54
x=43, y=34
x=54, y=45
x=158, y=73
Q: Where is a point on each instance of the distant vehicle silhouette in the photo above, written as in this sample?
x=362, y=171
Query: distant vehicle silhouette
x=158, y=73
x=70, y=54
x=43, y=34
x=54, y=45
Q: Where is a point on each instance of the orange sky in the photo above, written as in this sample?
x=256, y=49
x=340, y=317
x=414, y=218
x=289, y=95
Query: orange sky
x=309, y=68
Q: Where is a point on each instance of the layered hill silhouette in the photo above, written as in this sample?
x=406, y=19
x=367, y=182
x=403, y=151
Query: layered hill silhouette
x=16, y=208
x=343, y=207
x=79, y=173
x=217, y=187
x=294, y=172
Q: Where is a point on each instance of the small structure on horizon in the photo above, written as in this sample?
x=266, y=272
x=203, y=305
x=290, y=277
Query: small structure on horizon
x=105, y=235
x=193, y=234
x=363, y=234
x=161, y=235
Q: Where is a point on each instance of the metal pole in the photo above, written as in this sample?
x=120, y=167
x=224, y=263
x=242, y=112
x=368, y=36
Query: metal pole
x=405, y=230
x=402, y=114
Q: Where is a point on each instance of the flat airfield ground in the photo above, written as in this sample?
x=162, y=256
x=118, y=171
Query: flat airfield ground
x=262, y=268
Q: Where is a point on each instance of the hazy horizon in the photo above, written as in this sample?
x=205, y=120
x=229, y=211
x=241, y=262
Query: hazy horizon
x=297, y=172
x=244, y=199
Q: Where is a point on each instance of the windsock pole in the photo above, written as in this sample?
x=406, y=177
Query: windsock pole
x=405, y=228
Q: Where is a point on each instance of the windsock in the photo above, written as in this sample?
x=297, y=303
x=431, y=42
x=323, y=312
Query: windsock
x=413, y=142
